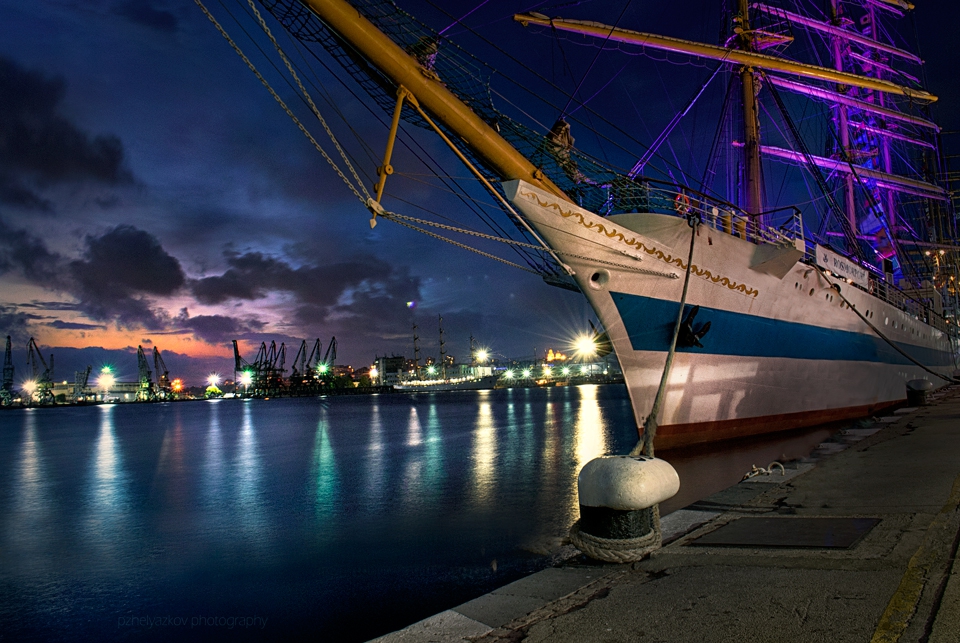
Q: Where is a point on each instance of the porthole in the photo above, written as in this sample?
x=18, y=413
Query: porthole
x=811, y=292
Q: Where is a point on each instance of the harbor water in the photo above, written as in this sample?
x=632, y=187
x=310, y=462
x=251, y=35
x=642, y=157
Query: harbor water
x=342, y=517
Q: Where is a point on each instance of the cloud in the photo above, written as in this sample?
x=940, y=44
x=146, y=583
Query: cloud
x=13, y=323
x=22, y=252
x=143, y=14
x=62, y=325
x=117, y=273
x=253, y=274
x=217, y=329
x=39, y=146
x=14, y=192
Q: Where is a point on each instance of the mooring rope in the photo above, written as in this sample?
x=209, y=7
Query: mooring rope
x=619, y=550
x=645, y=444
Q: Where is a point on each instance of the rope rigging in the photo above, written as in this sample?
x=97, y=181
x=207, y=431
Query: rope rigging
x=360, y=186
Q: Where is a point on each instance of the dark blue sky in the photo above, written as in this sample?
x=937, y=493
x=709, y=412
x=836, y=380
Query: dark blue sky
x=152, y=192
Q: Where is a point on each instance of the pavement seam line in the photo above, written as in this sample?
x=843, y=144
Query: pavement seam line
x=896, y=617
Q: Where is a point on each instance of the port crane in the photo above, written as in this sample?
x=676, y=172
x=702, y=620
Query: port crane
x=6, y=387
x=42, y=382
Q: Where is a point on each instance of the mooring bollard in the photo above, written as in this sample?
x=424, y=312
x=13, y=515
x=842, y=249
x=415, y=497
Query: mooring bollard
x=917, y=392
x=619, y=518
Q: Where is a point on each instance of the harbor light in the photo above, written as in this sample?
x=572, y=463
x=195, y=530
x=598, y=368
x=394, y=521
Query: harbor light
x=508, y=375
x=29, y=387
x=106, y=380
x=482, y=355
x=526, y=372
x=322, y=369
x=546, y=371
x=214, y=379
x=585, y=346
x=566, y=370
x=246, y=378
x=176, y=385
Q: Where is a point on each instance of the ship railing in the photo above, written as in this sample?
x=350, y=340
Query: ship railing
x=890, y=294
x=725, y=217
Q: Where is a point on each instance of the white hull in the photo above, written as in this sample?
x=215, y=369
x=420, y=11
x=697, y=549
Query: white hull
x=783, y=350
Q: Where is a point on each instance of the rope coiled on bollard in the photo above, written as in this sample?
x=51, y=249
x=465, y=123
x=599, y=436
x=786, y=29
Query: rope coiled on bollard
x=619, y=550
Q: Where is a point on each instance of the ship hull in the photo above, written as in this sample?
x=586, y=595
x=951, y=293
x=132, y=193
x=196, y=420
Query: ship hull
x=783, y=351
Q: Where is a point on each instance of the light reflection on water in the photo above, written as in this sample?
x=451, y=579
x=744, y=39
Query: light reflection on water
x=304, y=510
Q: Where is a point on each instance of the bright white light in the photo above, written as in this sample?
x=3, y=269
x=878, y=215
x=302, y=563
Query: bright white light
x=585, y=346
x=546, y=371
x=482, y=355
x=322, y=368
x=106, y=380
x=29, y=387
x=526, y=372
x=431, y=369
x=566, y=370
x=214, y=379
x=374, y=372
x=508, y=375
x=246, y=378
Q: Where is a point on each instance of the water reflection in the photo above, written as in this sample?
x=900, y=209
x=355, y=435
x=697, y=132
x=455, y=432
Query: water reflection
x=590, y=438
x=213, y=486
x=484, y=453
x=247, y=468
x=411, y=484
x=31, y=504
x=375, y=458
x=107, y=521
x=325, y=474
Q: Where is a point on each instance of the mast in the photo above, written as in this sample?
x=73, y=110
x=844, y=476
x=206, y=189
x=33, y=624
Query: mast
x=443, y=352
x=843, y=128
x=752, y=193
x=416, y=352
x=716, y=52
x=429, y=91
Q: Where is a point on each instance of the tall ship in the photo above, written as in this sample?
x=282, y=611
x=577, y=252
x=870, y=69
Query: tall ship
x=774, y=316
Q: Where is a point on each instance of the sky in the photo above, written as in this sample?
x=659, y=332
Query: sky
x=152, y=192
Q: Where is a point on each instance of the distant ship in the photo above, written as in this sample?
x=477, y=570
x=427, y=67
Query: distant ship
x=784, y=325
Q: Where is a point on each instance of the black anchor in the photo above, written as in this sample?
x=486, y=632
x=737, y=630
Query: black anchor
x=690, y=337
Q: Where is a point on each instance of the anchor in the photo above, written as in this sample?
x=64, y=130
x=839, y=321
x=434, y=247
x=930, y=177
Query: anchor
x=688, y=336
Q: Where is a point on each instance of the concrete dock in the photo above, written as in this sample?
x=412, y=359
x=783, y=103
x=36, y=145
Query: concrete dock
x=856, y=543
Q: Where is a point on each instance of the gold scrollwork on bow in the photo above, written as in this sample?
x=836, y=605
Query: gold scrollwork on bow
x=612, y=233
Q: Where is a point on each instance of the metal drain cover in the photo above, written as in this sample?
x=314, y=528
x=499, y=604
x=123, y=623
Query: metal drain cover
x=816, y=533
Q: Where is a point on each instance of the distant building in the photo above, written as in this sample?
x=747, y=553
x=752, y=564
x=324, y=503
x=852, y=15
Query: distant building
x=390, y=369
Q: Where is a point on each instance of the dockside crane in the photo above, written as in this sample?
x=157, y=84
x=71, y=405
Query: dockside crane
x=304, y=374
x=325, y=368
x=6, y=387
x=80, y=379
x=42, y=383
x=145, y=389
x=163, y=375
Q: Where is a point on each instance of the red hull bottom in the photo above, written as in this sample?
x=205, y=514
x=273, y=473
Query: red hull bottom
x=672, y=436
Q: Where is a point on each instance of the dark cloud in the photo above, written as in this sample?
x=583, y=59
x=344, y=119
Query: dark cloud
x=13, y=323
x=62, y=325
x=119, y=270
x=14, y=192
x=252, y=275
x=38, y=145
x=217, y=329
x=143, y=14
x=22, y=252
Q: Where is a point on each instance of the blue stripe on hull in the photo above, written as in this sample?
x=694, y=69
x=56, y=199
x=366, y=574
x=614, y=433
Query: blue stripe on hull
x=649, y=323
